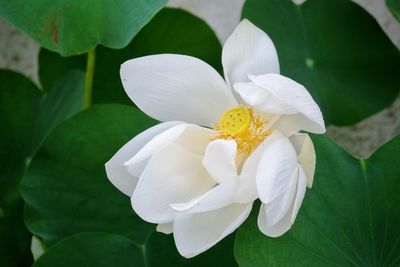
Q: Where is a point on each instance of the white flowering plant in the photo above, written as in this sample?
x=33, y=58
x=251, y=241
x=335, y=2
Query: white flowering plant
x=145, y=142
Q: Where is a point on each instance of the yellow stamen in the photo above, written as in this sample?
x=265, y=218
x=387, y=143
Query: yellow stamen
x=243, y=126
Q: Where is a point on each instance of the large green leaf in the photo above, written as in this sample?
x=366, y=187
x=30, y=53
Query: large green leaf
x=93, y=250
x=101, y=249
x=73, y=27
x=26, y=117
x=350, y=217
x=394, y=7
x=171, y=31
x=67, y=191
x=334, y=48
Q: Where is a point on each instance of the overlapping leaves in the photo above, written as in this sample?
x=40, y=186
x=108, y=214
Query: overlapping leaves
x=27, y=115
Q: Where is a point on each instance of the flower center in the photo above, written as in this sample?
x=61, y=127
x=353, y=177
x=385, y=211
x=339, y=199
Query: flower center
x=242, y=125
x=236, y=120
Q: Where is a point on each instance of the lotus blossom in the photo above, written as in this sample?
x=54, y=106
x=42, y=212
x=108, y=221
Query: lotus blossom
x=221, y=143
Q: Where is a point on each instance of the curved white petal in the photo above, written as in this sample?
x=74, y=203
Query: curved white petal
x=176, y=87
x=192, y=137
x=246, y=189
x=165, y=228
x=301, y=191
x=261, y=100
x=295, y=95
x=248, y=50
x=195, y=233
x=276, y=178
x=117, y=173
x=172, y=175
x=139, y=160
x=276, y=230
x=306, y=155
x=283, y=225
x=219, y=160
x=220, y=196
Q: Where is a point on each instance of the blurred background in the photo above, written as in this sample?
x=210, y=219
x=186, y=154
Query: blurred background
x=19, y=52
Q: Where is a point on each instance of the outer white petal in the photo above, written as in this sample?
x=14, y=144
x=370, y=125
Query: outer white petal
x=301, y=191
x=192, y=137
x=306, y=155
x=139, y=160
x=219, y=160
x=287, y=221
x=176, y=87
x=295, y=95
x=248, y=50
x=262, y=100
x=277, y=178
x=276, y=230
x=117, y=173
x=165, y=228
x=220, y=196
x=195, y=233
x=172, y=175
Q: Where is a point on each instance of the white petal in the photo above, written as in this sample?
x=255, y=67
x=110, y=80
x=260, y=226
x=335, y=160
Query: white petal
x=248, y=50
x=219, y=160
x=172, y=175
x=287, y=221
x=158, y=142
x=117, y=173
x=38, y=248
x=295, y=95
x=190, y=136
x=301, y=191
x=277, y=178
x=165, y=228
x=195, y=233
x=247, y=189
x=297, y=141
x=220, y=196
x=306, y=155
x=261, y=100
x=276, y=230
x=177, y=87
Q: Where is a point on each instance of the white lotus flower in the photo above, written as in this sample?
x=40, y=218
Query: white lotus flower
x=222, y=143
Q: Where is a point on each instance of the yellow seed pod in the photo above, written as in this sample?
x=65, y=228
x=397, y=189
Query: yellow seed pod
x=236, y=120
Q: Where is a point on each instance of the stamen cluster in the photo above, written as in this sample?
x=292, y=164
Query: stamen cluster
x=248, y=139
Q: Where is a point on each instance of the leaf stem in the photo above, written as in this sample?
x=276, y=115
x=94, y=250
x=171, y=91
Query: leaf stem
x=89, y=77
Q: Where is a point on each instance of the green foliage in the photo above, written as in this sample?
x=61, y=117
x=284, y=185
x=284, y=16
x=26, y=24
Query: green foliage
x=349, y=218
x=101, y=249
x=394, y=6
x=14, y=243
x=171, y=31
x=336, y=50
x=93, y=249
x=73, y=27
x=26, y=116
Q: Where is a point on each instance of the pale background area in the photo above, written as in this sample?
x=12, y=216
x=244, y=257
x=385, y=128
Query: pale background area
x=18, y=52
